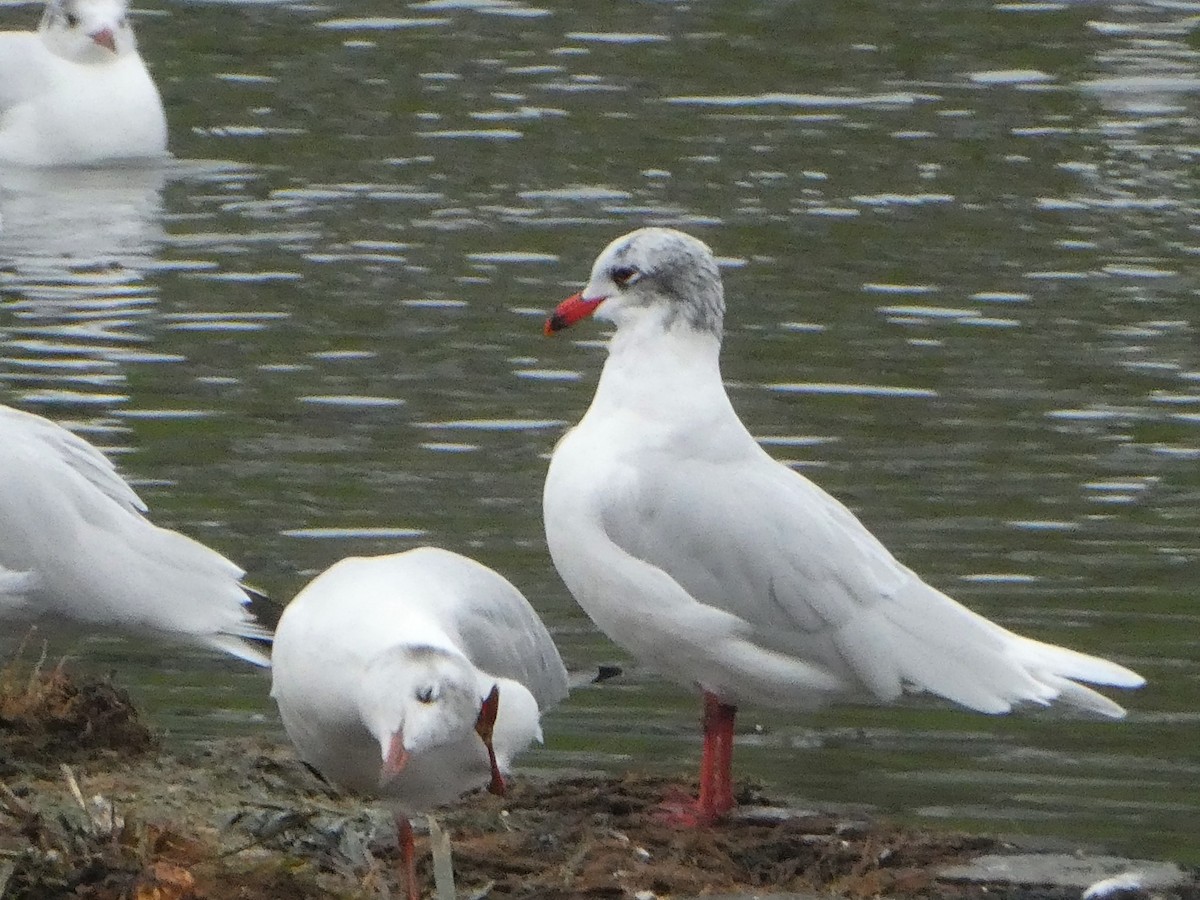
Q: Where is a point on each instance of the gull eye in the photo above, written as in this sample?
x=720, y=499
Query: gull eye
x=623, y=276
x=72, y=20
x=425, y=694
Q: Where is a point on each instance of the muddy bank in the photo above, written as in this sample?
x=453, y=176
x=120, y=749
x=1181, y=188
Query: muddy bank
x=242, y=819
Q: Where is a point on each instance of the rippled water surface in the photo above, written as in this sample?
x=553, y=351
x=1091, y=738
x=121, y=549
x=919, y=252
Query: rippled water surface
x=960, y=245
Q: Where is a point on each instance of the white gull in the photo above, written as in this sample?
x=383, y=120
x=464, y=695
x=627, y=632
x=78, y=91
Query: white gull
x=76, y=92
x=413, y=678
x=689, y=546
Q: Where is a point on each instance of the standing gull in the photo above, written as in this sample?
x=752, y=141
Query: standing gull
x=413, y=678
x=76, y=92
x=76, y=546
x=725, y=570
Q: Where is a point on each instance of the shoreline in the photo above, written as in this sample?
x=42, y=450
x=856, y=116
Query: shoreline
x=94, y=806
x=241, y=817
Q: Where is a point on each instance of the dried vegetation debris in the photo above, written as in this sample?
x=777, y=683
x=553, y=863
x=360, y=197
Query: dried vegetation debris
x=100, y=850
x=590, y=837
x=603, y=837
x=48, y=715
x=242, y=819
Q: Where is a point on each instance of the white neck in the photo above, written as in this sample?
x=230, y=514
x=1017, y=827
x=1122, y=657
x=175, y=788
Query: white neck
x=517, y=722
x=653, y=371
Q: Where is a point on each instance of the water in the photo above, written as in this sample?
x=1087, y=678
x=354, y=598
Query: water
x=959, y=244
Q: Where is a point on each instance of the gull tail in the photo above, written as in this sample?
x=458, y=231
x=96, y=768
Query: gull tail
x=1062, y=669
x=235, y=639
x=921, y=640
x=235, y=646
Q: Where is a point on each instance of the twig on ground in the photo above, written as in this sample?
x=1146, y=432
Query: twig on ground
x=15, y=805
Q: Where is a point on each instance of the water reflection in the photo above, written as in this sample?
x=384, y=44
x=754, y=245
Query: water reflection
x=100, y=218
x=75, y=249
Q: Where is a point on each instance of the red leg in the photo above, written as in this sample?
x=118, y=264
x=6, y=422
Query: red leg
x=404, y=837
x=716, y=781
x=716, y=761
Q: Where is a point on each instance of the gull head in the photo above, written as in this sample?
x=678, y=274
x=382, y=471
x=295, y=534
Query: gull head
x=652, y=272
x=88, y=31
x=417, y=699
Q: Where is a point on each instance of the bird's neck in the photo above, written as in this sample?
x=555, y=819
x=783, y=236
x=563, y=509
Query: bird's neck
x=650, y=368
x=517, y=721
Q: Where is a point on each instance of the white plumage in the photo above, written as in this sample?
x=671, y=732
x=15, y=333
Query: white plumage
x=76, y=92
x=399, y=676
x=692, y=548
x=75, y=545
x=356, y=649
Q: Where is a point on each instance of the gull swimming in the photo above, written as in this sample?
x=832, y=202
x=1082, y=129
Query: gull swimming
x=76, y=92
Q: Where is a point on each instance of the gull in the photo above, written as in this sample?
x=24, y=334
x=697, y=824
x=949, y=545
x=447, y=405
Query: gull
x=413, y=678
x=723, y=569
x=76, y=547
x=76, y=92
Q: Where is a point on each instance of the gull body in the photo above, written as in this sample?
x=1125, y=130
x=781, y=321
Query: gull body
x=76, y=92
x=693, y=549
x=412, y=678
x=77, y=547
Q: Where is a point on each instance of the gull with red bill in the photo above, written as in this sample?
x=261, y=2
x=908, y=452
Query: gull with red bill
x=76, y=92
x=689, y=546
x=413, y=678
x=570, y=311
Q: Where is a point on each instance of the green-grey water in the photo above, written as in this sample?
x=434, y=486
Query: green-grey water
x=960, y=244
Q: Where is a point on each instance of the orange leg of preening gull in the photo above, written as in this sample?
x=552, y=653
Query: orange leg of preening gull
x=404, y=837
x=716, y=761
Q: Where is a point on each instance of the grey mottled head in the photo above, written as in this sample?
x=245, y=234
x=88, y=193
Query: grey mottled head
x=659, y=270
x=88, y=31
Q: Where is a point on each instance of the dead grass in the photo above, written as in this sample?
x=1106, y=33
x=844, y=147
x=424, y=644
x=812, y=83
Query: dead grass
x=241, y=819
x=46, y=714
x=93, y=853
x=603, y=837
x=573, y=838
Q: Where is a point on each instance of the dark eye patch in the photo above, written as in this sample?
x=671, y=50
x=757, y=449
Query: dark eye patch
x=624, y=275
x=425, y=694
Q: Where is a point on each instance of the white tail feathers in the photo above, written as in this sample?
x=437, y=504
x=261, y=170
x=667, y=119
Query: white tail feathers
x=922, y=640
x=1075, y=665
x=1061, y=669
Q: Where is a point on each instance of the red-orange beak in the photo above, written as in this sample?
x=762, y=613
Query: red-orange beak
x=571, y=311
x=104, y=38
x=397, y=757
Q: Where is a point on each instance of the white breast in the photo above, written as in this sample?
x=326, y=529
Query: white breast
x=54, y=112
